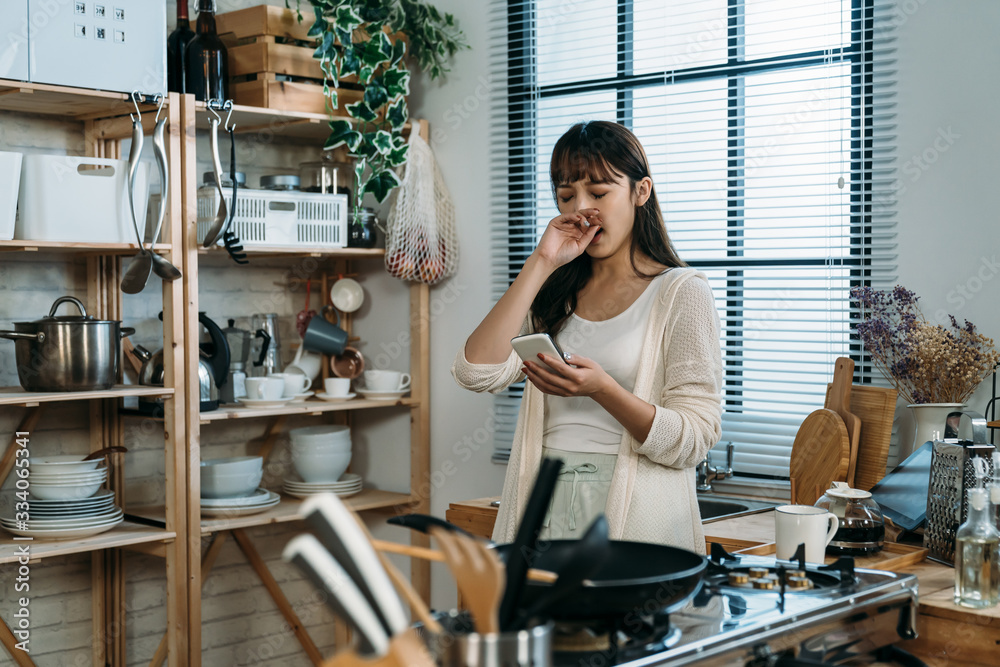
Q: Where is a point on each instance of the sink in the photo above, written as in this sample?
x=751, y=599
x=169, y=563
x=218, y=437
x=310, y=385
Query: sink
x=716, y=508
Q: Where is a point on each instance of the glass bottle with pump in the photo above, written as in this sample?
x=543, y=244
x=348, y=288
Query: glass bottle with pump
x=977, y=556
x=207, y=61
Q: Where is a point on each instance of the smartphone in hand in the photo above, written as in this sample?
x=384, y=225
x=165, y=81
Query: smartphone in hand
x=530, y=346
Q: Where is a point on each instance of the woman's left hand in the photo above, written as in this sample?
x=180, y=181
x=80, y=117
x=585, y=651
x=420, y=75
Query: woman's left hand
x=559, y=378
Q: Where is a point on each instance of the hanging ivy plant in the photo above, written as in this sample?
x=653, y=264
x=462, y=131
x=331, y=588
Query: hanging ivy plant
x=353, y=40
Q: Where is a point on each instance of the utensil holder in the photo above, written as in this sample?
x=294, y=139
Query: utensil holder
x=459, y=646
x=952, y=475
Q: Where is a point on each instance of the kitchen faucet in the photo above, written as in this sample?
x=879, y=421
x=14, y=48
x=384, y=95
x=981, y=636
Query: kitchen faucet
x=706, y=473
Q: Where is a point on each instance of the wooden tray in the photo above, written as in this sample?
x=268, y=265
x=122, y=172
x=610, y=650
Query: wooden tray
x=893, y=557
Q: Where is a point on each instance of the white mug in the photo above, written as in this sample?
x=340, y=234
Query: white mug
x=265, y=389
x=337, y=386
x=305, y=363
x=295, y=383
x=386, y=381
x=803, y=524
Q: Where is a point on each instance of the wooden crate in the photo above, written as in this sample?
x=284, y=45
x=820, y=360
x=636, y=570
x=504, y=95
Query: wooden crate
x=264, y=21
x=290, y=96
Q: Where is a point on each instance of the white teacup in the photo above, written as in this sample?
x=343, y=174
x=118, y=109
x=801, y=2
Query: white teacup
x=803, y=524
x=337, y=386
x=269, y=388
x=295, y=383
x=305, y=363
x=386, y=381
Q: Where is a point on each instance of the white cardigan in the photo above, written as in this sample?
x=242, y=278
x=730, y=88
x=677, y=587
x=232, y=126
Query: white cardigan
x=652, y=496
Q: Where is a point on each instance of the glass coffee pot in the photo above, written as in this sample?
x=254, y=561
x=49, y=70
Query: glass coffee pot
x=329, y=176
x=862, y=528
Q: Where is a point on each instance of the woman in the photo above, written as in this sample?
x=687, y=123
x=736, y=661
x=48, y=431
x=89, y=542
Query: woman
x=637, y=404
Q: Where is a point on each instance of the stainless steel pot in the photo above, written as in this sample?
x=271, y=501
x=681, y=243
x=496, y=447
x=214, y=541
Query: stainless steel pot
x=67, y=352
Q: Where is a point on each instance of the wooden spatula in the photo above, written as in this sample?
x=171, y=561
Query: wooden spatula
x=838, y=399
x=820, y=454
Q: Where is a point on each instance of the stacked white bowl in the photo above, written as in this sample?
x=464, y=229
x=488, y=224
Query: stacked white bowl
x=65, y=477
x=234, y=477
x=321, y=453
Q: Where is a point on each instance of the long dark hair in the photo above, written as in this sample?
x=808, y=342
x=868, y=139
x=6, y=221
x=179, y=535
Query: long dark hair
x=602, y=151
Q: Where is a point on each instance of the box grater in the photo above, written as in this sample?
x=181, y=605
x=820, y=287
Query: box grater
x=952, y=475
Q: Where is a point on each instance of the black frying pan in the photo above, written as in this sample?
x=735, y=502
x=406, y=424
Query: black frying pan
x=637, y=578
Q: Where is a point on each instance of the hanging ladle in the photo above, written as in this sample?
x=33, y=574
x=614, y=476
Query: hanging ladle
x=141, y=265
x=161, y=266
x=215, y=231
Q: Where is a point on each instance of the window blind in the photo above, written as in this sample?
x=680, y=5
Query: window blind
x=769, y=127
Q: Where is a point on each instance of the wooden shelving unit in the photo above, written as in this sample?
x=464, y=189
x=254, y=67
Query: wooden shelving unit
x=294, y=127
x=96, y=112
x=178, y=530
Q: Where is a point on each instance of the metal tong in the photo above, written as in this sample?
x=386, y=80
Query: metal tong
x=161, y=266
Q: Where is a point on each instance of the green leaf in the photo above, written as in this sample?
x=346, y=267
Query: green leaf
x=377, y=50
x=367, y=149
x=381, y=139
x=397, y=82
x=349, y=62
x=381, y=184
x=361, y=111
x=343, y=36
x=365, y=73
x=397, y=156
x=398, y=51
x=397, y=115
x=341, y=133
x=376, y=95
x=359, y=171
x=346, y=18
x=318, y=27
x=325, y=50
x=332, y=96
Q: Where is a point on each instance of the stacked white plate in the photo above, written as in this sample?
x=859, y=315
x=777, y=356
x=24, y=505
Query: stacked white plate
x=66, y=519
x=256, y=502
x=348, y=485
x=65, y=485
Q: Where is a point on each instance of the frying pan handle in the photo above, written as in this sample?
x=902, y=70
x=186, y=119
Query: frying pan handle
x=263, y=346
x=20, y=335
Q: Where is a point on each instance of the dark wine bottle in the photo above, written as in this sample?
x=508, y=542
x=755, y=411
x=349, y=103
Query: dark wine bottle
x=176, y=44
x=207, y=70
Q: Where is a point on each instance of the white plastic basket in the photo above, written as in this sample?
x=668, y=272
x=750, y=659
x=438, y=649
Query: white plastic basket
x=78, y=199
x=10, y=177
x=274, y=218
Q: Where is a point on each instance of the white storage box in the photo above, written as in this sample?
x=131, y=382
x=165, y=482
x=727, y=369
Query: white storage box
x=78, y=199
x=10, y=177
x=277, y=218
x=14, y=41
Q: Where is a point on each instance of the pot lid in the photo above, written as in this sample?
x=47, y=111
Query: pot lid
x=842, y=490
x=82, y=318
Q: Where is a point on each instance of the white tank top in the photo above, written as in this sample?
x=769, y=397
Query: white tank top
x=577, y=423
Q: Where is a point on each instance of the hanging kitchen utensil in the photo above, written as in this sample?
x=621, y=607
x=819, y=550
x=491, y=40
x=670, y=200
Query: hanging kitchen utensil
x=523, y=552
x=838, y=399
x=820, y=454
x=424, y=522
x=213, y=233
x=479, y=575
x=161, y=266
x=137, y=273
x=594, y=550
x=101, y=453
x=229, y=238
x=306, y=314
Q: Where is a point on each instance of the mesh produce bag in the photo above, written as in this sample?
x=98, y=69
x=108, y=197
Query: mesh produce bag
x=420, y=240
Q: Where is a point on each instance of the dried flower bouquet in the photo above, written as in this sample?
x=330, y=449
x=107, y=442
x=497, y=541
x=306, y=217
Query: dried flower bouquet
x=926, y=363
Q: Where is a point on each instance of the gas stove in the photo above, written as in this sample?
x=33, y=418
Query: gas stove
x=752, y=611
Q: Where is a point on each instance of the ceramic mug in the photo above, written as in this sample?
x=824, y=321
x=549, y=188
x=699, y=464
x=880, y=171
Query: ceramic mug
x=265, y=389
x=305, y=363
x=324, y=336
x=337, y=386
x=803, y=524
x=295, y=383
x=386, y=380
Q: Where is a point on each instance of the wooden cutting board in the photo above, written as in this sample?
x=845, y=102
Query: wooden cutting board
x=876, y=408
x=838, y=399
x=821, y=454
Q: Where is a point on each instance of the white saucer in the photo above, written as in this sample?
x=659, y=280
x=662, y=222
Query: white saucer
x=333, y=399
x=383, y=395
x=233, y=507
x=263, y=402
x=339, y=494
x=300, y=398
x=261, y=495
